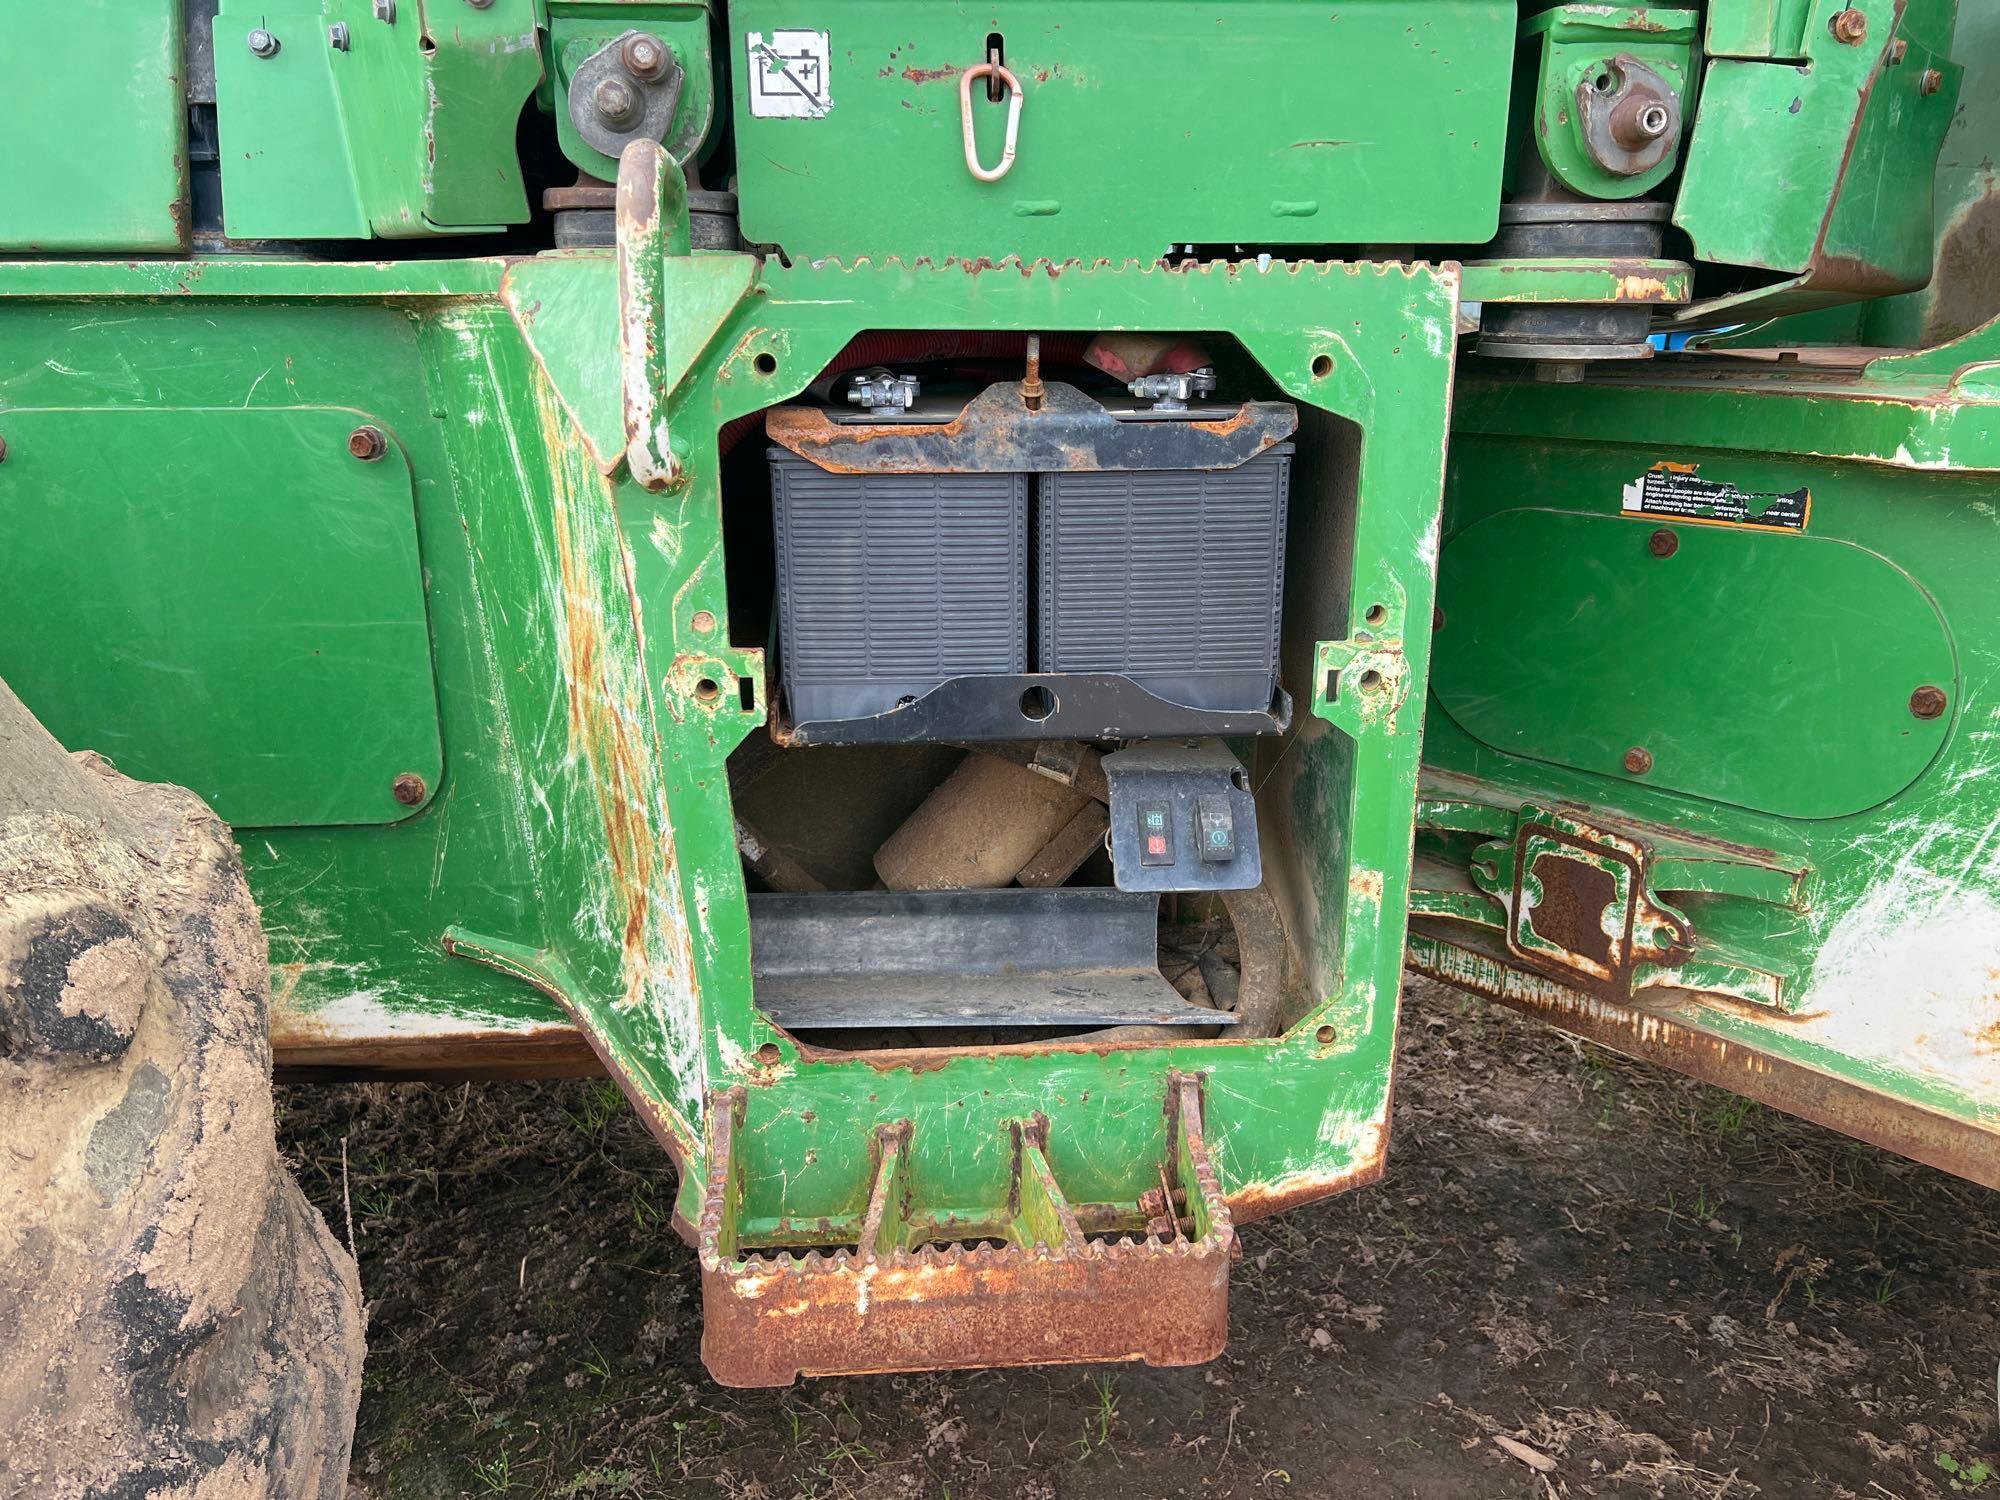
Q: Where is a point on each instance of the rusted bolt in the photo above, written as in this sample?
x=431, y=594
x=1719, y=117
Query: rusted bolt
x=615, y=102
x=262, y=43
x=703, y=622
x=408, y=788
x=1325, y=1036
x=708, y=690
x=1663, y=543
x=645, y=57
x=1930, y=81
x=1638, y=760
x=769, y=1055
x=367, y=443
x=1372, y=681
x=1898, y=50
x=1849, y=26
x=1927, y=702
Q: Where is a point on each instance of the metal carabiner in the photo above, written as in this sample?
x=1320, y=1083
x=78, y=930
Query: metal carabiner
x=965, y=82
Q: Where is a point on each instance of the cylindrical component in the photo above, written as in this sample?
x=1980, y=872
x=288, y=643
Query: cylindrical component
x=1572, y=331
x=978, y=830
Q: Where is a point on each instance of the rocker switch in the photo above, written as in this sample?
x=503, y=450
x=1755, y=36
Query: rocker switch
x=1214, y=830
x=1156, y=833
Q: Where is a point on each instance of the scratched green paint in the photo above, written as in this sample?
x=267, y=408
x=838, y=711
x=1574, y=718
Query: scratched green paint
x=122, y=129
x=1275, y=124
x=1880, y=917
x=523, y=534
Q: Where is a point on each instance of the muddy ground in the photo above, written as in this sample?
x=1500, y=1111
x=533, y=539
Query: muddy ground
x=1648, y=1287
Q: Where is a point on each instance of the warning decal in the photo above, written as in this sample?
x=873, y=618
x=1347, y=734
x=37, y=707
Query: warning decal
x=1676, y=490
x=787, y=73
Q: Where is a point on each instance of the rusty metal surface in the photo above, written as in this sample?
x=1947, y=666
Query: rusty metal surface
x=1161, y=1297
x=1663, y=1032
x=300, y=1055
x=999, y=433
x=1629, y=129
x=586, y=192
x=1576, y=897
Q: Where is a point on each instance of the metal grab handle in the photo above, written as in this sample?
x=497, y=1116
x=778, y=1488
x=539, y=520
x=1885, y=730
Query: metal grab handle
x=965, y=82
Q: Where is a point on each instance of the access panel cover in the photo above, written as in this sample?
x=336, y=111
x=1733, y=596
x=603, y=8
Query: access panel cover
x=1141, y=125
x=226, y=599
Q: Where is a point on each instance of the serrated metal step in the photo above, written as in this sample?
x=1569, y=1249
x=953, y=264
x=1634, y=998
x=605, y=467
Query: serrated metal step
x=1027, y=1285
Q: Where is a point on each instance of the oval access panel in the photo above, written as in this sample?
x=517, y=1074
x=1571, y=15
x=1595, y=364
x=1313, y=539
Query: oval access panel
x=1771, y=672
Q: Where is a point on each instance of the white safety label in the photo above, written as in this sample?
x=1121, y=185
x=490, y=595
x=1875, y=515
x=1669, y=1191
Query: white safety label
x=788, y=75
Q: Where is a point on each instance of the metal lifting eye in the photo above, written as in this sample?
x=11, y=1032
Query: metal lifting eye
x=965, y=81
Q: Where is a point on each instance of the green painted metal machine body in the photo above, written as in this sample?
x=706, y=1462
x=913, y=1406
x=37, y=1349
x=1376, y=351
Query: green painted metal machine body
x=1656, y=695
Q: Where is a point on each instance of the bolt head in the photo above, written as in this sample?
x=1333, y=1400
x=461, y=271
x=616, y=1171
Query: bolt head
x=1638, y=760
x=1664, y=542
x=1927, y=702
x=408, y=788
x=480, y=4
x=1849, y=26
x=615, y=101
x=336, y=36
x=385, y=10
x=645, y=57
x=261, y=43
x=367, y=444
x=1652, y=121
x=1929, y=82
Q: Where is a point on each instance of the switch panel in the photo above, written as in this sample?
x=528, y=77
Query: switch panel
x=1182, y=818
x=1215, y=829
x=1156, y=832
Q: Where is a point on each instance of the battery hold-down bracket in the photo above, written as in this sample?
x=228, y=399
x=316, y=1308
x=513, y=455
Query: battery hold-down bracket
x=1182, y=818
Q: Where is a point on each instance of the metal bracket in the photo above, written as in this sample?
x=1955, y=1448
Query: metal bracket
x=1579, y=903
x=999, y=433
x=924, y=1287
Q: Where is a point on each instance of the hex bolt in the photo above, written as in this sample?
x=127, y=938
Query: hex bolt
x=385, y=10
x=1652, y=121
x=1638, y=760
x=644, y=56
x=408, y=788
x=615, y=102
x=367, y=443
x=1929, y=82
x=1849, y=26
x=1663, y=543
x=262, y=43
x=1927, y=702
x=1898, y=50
x=337, y=37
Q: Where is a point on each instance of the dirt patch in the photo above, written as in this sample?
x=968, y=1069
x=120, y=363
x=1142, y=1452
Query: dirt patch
x=1582, y=1277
